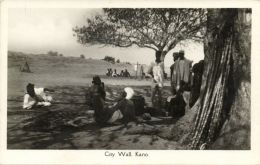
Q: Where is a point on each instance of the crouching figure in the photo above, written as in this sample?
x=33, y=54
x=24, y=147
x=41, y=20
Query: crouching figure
x=123, y=110
x=175, y=104
x=36, y=97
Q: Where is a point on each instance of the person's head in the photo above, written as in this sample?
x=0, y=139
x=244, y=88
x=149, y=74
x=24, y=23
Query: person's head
x=158, y=56
x=30, y=90
x=127, y=93
x=175, y=56
x=181, y=54
x=96, y=80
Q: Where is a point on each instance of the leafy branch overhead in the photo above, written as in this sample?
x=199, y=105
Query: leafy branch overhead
x=158, y=29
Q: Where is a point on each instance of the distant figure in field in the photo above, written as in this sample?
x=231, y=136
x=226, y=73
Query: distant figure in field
x=142, y=71
x=25, y=67
x=36, y=97
x=123, y=110
x=197, y=70
x=108, y=73
x=122, y=73
x=156, y=72
x=114, y=74
x=126, y=73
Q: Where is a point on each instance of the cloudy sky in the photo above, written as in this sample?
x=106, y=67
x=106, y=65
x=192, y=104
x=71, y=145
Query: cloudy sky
x=39, y=30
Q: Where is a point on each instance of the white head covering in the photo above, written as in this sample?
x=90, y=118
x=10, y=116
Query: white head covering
x=48, y=98
x=129, y=92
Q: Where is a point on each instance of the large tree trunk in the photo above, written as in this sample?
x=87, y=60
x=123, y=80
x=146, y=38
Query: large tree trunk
x=225, y=90
x=162, y=54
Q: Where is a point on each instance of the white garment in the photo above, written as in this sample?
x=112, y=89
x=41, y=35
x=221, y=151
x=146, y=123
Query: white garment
x=158, y=74
x=186, y=97
x=114, y=74
x=170, y=98
x=116, y=116
x=129, y=93
x=40, y=94
x=28, y=101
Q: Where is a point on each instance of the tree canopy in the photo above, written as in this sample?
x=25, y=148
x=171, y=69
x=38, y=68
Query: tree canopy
x=160, y=29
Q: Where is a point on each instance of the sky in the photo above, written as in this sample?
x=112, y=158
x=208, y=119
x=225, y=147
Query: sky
x=39, y=30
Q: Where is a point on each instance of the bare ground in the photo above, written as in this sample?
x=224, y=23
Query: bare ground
x=50, y=128
x=47, y=127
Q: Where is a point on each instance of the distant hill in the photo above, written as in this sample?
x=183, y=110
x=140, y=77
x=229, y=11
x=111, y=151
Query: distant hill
x=67, y=66
x=43, y=63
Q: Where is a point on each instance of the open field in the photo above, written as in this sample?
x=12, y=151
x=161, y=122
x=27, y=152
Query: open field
x=48, y=128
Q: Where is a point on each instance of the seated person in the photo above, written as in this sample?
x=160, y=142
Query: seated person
x=122, y=73
x=108, y=72
x=125, y=106
x=126, y=73
x=114, y=74
x=36, y=97
x=175, y=104
x=123, y=110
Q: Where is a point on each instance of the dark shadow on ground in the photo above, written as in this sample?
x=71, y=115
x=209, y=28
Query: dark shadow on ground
x=48, y=128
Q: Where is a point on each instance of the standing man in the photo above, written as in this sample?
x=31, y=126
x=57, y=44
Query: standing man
x=136, y=69
x=182, y=71
x=156, y=71
x=114, y=74
x=183, y=75
x=173, y=72
x=141, y=71
x=197, y=69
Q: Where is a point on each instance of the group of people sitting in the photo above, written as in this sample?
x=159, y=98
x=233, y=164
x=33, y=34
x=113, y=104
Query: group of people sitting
x=128, y=106
x=113, y=73
x=122, y=110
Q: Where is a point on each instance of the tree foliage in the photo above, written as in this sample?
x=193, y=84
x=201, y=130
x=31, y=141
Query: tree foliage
x=82, y=56
x=52, y=53
x=157, y=29
x=109, y=59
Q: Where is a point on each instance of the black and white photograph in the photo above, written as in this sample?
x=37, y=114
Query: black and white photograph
x=133, y=79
